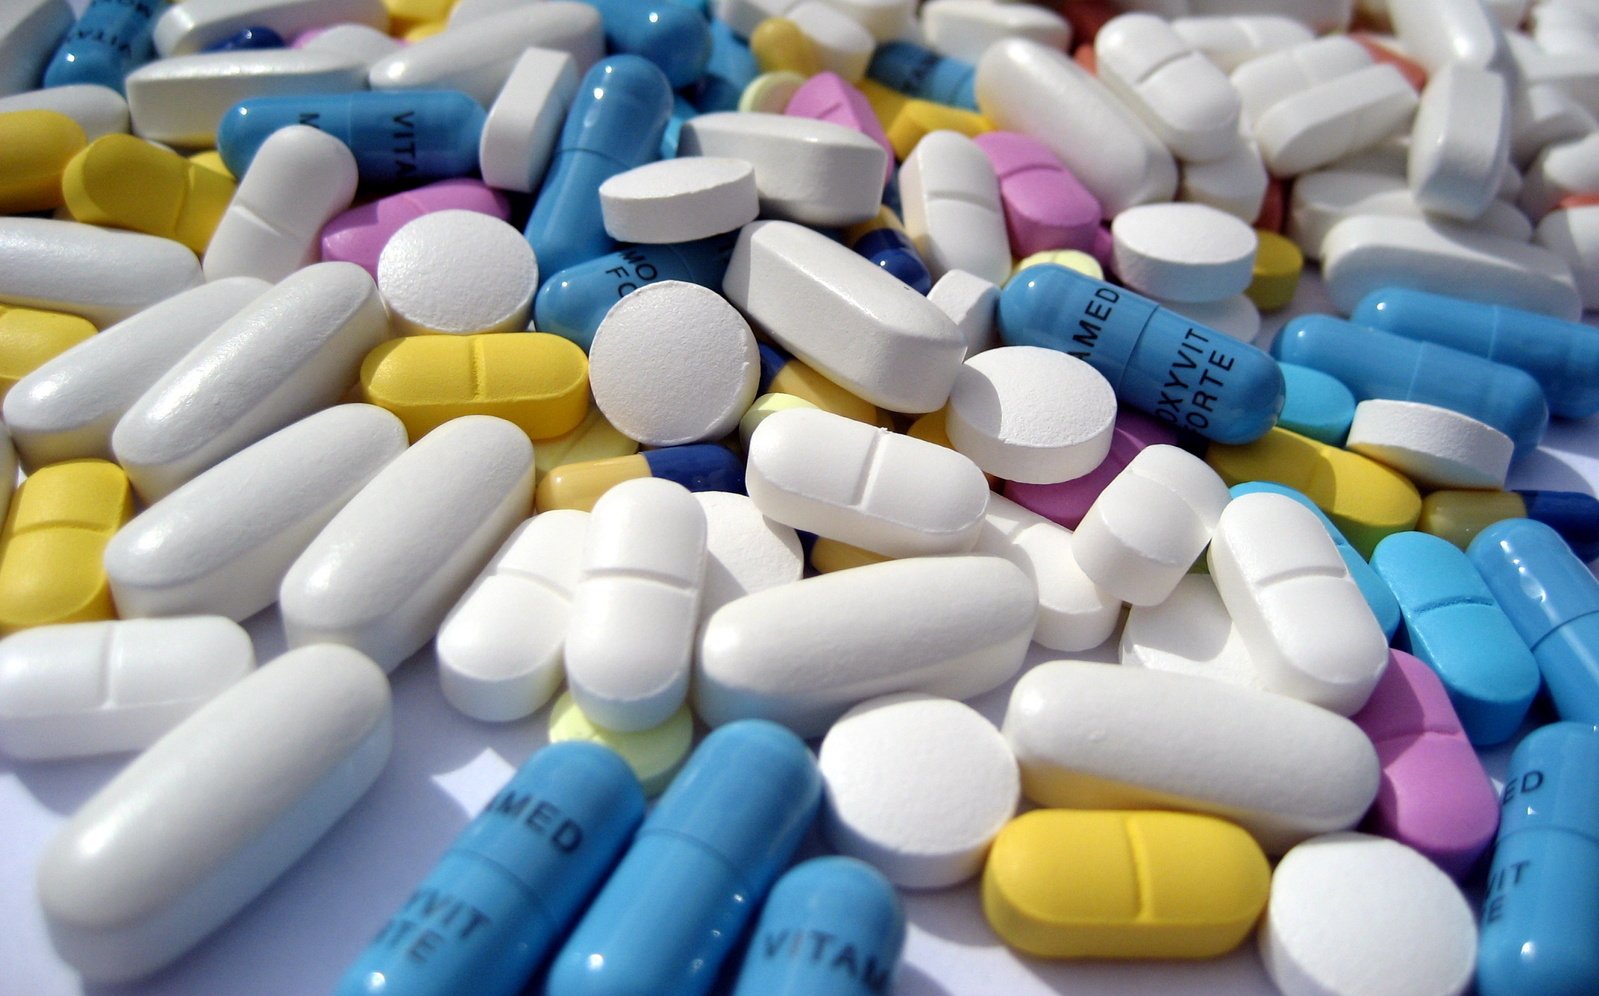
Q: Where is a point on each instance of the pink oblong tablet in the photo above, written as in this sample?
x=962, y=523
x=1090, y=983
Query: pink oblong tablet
x=828, y=96
x=1045, y=205
x=359, y=234
x=1068, y=501
x=1435, y=795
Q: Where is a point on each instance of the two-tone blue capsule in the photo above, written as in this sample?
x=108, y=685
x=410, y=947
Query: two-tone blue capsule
x=925, y=74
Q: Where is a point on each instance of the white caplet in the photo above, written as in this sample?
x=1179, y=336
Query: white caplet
x=524, y=122
x=1073, y=613
x=745, y=551
x=1435, y=447
x=1189, y=633
x=103, y=274
x=1235, y=183
x=457, y=272
x=199, y=24
x=1183, y=252
x=1460, y=141
x=679, y=200
x=963, y=29
x=950, y=203
x=1573, y=235
x=972, y=303
x=1181, y=95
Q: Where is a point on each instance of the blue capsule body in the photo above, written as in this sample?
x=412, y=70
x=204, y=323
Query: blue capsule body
x=1376, y=364
x=1454, y=624
x=672, y=35
x=892, y=250
x=682, y=110
x=110, y=40
x=574, y=301
x=678, y=903
x=728, y=71
x=922, y=72
x=1157, y=361
x=615, y=124
x=1372, y=587
x=396, y=135
x=698, y=467
x=1318, y=405
x=831, y=925
x=247, y=38
x=1563, y=357
x=1540, y=914
x=1572, y=514
x=512, y=883
x=1553, y=601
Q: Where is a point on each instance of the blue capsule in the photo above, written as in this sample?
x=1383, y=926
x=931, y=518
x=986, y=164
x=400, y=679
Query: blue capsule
x=698, y=467
x=1540, y=914
x=922, y=72
x=1156, y=360
x=673, y=36
x=682, y=111
x=1454, y=623
x=248, y=38
x=615, y=124
x=574, y=301
x=512, y=883
x=1376, y=364
x=1318, y=405
x=110, y=40
x=893, y=251
x=831, y=925
x=396, y=135
x=676, y=906
x=1553, y=601
x=1563, y=357
x=1572, y=514
x=728, y=71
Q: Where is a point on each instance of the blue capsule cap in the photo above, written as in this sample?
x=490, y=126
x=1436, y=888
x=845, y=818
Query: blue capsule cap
x=622, y=106
x=922, y=72
x=892, y=251
x=110, y=40
x=728, y=71
x=698, y=467
x=573, y=302
x=1537, y=580
x=1572, y=514
x=1569, y=751
x=673, y=36
x=246, y=39
x=1317, y=405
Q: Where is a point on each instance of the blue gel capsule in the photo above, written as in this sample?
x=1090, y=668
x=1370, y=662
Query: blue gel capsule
x=1372, y=587
x=1454, y=624
x=922, y=72
x=831, y=925
x=728, y=71
x=615, y=124
x=1572, y=514
x=1540, y=913
x=892, y=250
x=248, y=38
x=682, y=111
x=1563, y=357
x=1376, y=364
x=512, y=883
x=1553, y=601
x=698, y=467
x=673, y=36
x=674, y=909
x=573, y=302
x=396, y=135
x=110, y=40
x=1156, y=360
x=1318, y=405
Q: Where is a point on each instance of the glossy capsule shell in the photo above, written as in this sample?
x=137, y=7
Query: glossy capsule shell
x=125, y=182
x=698, y=467
x=573, y=302
x=110, y=40
x=1458, y=516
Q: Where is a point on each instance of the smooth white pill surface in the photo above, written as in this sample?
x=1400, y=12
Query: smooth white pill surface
x=29, y=32
x=1235, y=183
x=917, y=786
x=673, y=363
x=170, y=849
x=1183, y=98
x=457, y=272
x=1183, y=252
x=222, y=543
x=104, y=687
x=1073, y=612
x=1352, y=913
x=1573, y=235
x=524, y=122
x=963, y=29
x=950, y=203
x=103, y=274
x=745, y=551
x=356, y=41
x=1560, y=170
x=1264, y=81
x=1029, y=414
x=636, y=606
x=1441, y=32
x=860, y=484
x=1319, y=125
x=197, y=24
x=841, y=44
x=679, y=200
x=972, y=304
x=98, y=110
x=1435, y=447
x=1189, y=633
x=803, y=654
x=385, y=571
x=1460, y=141
x=1308, y=628
x=501, y=648
x=1232, y=40
x=180, y=100
x=1324, y=198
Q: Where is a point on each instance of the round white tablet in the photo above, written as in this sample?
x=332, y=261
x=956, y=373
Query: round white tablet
x=457, y=272
x=1031, y=415
x=679, y=200
x=917, y=786
x=1435, y=447
x=673, y=363
x=1183, y=252
x=1352, y=913
x=746, y=551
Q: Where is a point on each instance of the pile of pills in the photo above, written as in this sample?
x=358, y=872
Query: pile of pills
x=685, y=381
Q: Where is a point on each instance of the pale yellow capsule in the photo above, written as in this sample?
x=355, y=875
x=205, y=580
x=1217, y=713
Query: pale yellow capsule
x=769, y=93
x=595, y=438
x=1071, y=259
x=35, y=147
x=829, y=555
x=803, y=381
x=1458, y=516
x=1278, y=263
x=778, y=43
x=125, y=182
x=29, y=338
x=761, y=407
x=53, y=544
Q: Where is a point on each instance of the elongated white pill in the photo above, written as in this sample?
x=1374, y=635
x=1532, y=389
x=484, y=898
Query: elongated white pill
x=524, y=122
x=199, y=24
x=1435, y=447
x=1460, y=141
x=1073, y=612
x=1230, y=40
x=171, y=848
x=29, y=33
x=972, y=304
x=1184, y=99
x=1235, y=183
x=1573, y=235
x=103, y=274
x=1324, y=198
x=842, y=45
x=679, y=200
x=1183, y=252
x=951, y=207
x=745, y=552
x=457, y=272
x=98, y=110
x=1561, y=169
x=1189, y=633
x=1330, y=120
x=1263, y=82
x=1437, y=33
x=964, y=29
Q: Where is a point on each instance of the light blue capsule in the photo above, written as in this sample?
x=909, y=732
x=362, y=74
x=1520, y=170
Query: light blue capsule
x=110, y=40
x=728, y=71
x=573, y=302
x=1318, y=405
x=923, y=73
x=674, y=36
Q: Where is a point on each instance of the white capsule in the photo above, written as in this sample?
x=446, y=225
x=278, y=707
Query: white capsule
x=103, y=274
x=951, y=207
x=1235, y=183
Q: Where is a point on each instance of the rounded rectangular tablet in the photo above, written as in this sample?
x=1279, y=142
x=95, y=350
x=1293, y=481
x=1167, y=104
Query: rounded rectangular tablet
x=1185, y=100
x=100, y=273
x=56, y=530
x=1073, y=612
x=1263, y=82
x=1441, y=32
x=1330, y=120
x=950, y=199
x=29, y=32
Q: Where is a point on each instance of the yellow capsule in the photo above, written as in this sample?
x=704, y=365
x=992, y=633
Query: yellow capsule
x=802, y=381
x=769, y=93
x=579, y=485
x=536, y=380
x=125, y=182
x=829, y=555
x=1278, y=263
x=887, y=102
x=1072, y=883
x=405, y=15
x=51, y=550
x=35, y=147
x=918, y=117
x=1365, y=500
x=1458, y=516
x=763, y=406
x=211, y=159
x=28, y=338
x=654, y=754
x=424, y=31
x=1071, y=259
x=594, y=439
x=778, y=43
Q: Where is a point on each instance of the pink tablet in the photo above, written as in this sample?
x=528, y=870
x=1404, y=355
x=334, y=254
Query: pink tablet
x=1067, y=502
x=359, y=234
x=1045, y=206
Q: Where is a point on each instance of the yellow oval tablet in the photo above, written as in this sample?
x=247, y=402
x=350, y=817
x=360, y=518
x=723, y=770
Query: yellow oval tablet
x=28, y=338
x=779, y=45
x=1071, y=883
x=595, y=438
x=1072, y=259
x=35, y=147
x=579, y=485
x=536, y=380
x=51, y=549
x=1278, y=263
x=1366, y=500
x=1458, y=516
x=654, y=754
x=125, y=182
x=211, y=159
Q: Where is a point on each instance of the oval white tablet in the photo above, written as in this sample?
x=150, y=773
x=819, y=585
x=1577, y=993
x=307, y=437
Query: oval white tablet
x=1184, y=99
x=889, y=493
x=100, y=688
x=1441, y=32
x=459, y=273
x=1330, y=120
x=679, y=200
x=1033, y=415
x=1460, y=141
x=950, y=203
x=636, y=605
x=918, y=787
x=1354, y=913
x=1073, y=612
x=1573, y=235
x=745, y=551
x=382, y=574
x=1189, y=633
x=170, y=849
x=1235, y=183
x=1183, y=252
x=1263, y=82
x=1323, y=198
x=803, y=654
x=524, y=122
x=221, y=543
x=1230, y=40
x=103, y=274
x=1561, y=169
x=1435, y=447
x=963, y=29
